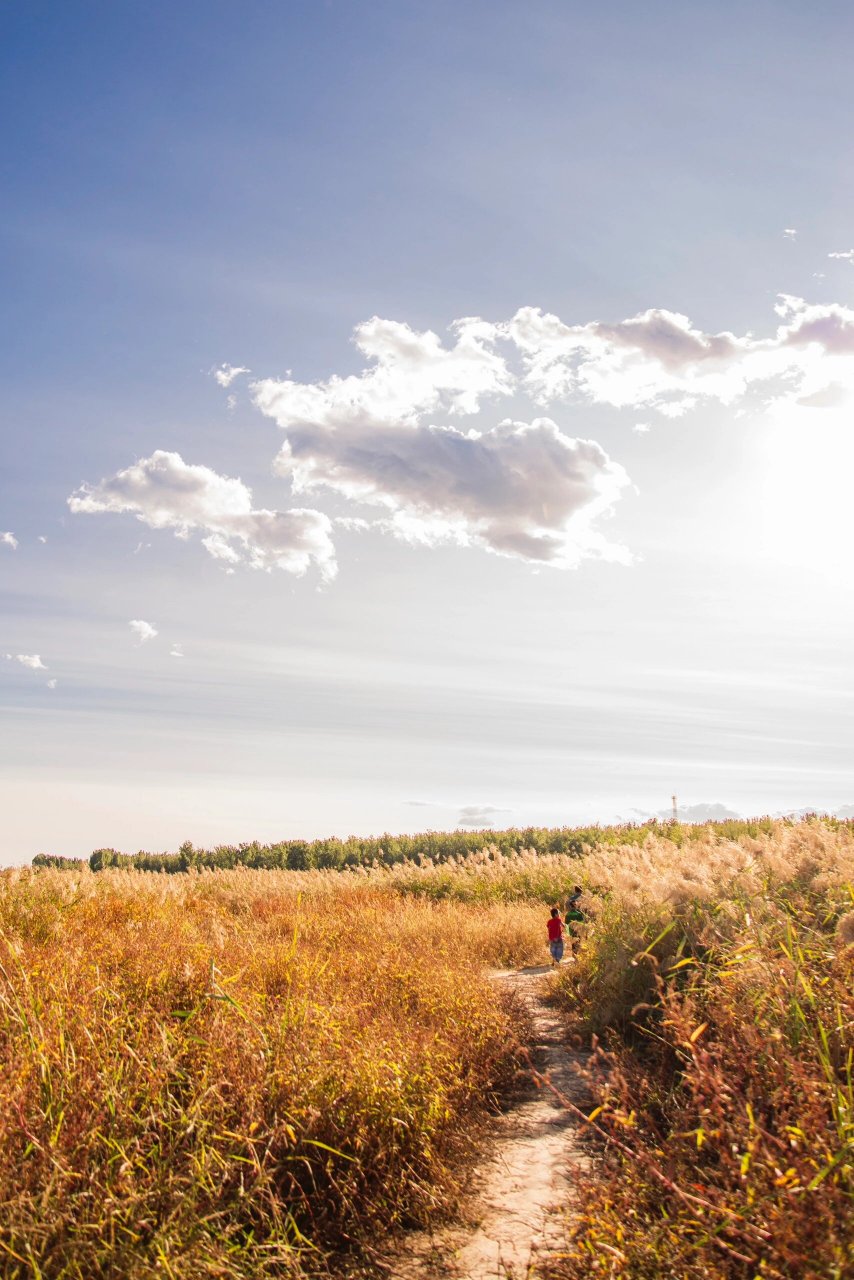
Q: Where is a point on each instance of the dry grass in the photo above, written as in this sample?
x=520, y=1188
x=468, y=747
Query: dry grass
x=229, y=1074
x=720, y=982
x=245, y=1073
x=484, y=876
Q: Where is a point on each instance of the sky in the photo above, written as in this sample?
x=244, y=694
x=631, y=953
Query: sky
x=419, y=416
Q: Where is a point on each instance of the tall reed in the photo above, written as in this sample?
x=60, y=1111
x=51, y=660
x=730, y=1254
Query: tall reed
x=232, y=1074
x=720, y=985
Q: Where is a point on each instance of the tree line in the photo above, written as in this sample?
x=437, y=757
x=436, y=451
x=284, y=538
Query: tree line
x=363, y=851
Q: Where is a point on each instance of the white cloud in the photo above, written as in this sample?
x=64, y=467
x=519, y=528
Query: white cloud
x=519, y=489
x=165, y=492
x=9, y=540
x=828, y=328
x=659, y=360
x=390, y=436
x=847, y=255
x=51, y=684
x=143, y=630
x=655, y=359
x=217, y=546
x=700, y=813
x=31, y=660
x=226, y=373
x=42, y=538
x=412, y=374
x=797, y=815
x=479, y=815
x=353, y=524
x=177, y=651
x=641, y=428
x=691, y=813
x=790, y=233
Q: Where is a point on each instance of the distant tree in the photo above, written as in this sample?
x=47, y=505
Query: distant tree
x=387, y=850
x=102, y=858
x=59, y=863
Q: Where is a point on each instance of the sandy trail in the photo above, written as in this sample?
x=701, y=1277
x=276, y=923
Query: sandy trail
x=527, y=1175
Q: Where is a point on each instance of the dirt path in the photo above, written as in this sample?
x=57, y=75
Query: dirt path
x=526, y=1177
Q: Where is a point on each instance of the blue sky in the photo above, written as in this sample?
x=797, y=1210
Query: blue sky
x=195, y=186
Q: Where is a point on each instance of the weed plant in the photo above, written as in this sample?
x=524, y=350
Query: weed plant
x=250, y=1073
x=232, y=1073
x=718, y=983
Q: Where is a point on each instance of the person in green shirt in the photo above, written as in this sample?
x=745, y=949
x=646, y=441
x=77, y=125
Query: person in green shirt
x=573, y=914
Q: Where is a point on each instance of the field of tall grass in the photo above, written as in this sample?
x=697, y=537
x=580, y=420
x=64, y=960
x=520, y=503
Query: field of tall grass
x=718, y=983
x=234, y=1073
x=251, y=1073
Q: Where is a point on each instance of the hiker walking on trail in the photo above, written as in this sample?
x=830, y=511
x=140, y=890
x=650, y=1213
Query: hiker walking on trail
x=573, y=914
x=555, y=928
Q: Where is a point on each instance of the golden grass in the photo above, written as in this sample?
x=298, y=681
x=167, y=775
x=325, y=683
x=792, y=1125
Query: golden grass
x=245, y=1073
x=228, y=1074
x=720, y=979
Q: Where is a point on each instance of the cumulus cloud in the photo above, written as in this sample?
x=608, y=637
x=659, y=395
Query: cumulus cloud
x=143, y=630
x=790, y=233
x=51, y=684
x=9, y=540
x=177, y=651
x=659, y=360
x=31, y=660
x=42, y=538
x=165, y=492
x=797, y=815
x=412, y=373
x=479, y=815
x=847, y=255
x=656, y=359
x=226, y=373
x=828, y=328
x=353, y=524
x=519, y=489
x=522, y=489
x=398, y=436
x=693, y=813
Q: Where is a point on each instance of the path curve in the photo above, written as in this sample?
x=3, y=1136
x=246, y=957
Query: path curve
x=526, y=1179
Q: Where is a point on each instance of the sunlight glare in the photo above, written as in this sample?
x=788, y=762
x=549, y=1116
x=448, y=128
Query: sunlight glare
x=806, y=509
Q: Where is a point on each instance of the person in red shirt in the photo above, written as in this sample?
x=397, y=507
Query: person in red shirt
x=555, y=927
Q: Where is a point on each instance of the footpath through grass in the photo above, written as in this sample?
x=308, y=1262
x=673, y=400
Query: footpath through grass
x=262, y=1073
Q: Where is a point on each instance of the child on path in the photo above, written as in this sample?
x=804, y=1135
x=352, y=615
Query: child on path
x=555, y=929
x=572, y=898
x=574, y=915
